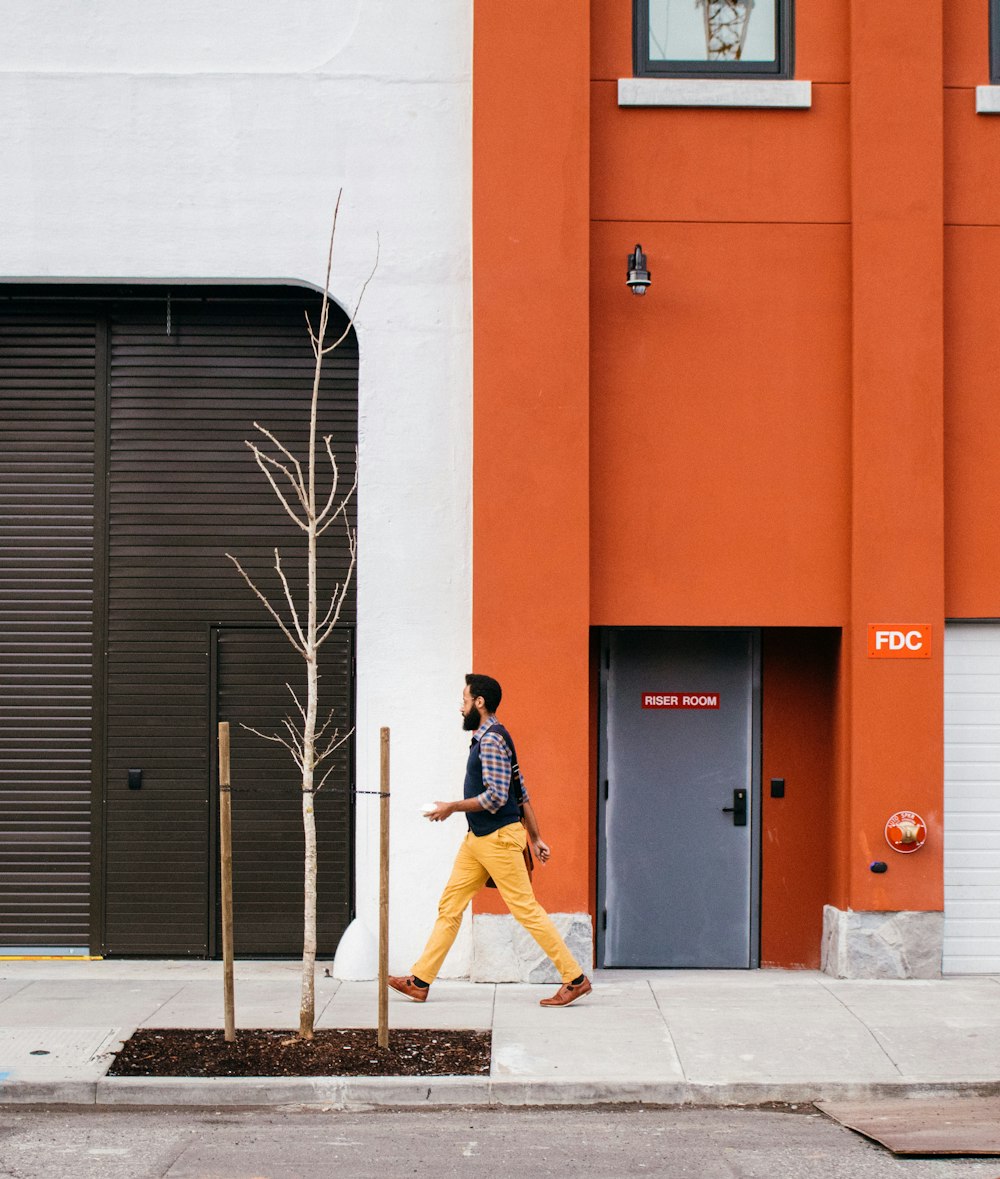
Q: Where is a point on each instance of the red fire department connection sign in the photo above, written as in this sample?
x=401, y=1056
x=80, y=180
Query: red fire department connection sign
x=895, y=641
x=680, y=699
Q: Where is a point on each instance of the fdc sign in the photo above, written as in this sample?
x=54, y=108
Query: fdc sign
x=899, y=641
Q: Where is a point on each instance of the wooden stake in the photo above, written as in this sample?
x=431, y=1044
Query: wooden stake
x=383, y=896
x=226, y=847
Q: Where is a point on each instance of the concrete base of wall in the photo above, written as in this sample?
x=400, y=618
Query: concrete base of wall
x=504, y=952
x=881, y=945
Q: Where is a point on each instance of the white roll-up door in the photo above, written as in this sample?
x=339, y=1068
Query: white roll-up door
x=972, y=798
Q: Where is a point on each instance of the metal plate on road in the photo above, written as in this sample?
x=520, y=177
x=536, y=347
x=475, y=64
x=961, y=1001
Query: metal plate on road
x=927, y=1126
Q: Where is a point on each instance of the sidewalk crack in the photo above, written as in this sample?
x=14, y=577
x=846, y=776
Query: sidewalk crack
x=670, y=1034
x=162, y=1004
x=857, y=1018
x=326, y=1006
x=493, y=1020
x=22, y=987
x=185, y=1146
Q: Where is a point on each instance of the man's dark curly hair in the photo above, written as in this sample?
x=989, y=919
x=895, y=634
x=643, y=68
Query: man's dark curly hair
x=487, y=687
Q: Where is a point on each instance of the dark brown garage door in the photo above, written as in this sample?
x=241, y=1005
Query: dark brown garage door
x=184, y=381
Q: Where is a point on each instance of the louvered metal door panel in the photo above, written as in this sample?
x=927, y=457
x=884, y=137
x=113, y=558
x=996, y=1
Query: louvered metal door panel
x=184, y=491
x=47, y=410
x=253, y=668
x=972, y=798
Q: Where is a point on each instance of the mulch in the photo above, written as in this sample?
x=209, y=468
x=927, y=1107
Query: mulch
x=333, y=1052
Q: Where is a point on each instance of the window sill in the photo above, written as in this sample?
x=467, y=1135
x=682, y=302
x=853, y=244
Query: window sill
x=740, y=92
x=988, y=100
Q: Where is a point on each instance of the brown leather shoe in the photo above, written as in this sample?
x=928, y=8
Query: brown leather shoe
x=567, y=994
x=406, y=986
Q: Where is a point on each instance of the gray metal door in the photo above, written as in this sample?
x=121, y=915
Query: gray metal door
x=679, y=814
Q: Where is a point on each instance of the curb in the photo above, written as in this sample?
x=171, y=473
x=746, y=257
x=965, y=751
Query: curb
x=48, y=1093
x=343, y=1093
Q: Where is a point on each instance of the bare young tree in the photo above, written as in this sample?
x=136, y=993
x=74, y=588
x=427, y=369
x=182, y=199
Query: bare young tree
x=310, y=742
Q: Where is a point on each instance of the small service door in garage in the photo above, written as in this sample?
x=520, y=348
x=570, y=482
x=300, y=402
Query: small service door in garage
x=678, y=814
x=972, y=798
x=253, y=666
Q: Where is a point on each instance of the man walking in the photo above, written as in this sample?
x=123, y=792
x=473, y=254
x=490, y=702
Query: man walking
x=494, y=846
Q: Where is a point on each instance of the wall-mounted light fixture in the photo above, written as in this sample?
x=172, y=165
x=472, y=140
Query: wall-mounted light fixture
x=639, y=278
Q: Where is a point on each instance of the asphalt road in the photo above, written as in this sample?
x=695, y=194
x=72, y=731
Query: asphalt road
x=800, y=1143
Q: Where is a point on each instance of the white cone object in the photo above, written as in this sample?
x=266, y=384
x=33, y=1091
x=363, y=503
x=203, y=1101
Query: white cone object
x=356, y=959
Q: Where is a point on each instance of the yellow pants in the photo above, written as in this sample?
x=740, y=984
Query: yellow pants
x=497, y=855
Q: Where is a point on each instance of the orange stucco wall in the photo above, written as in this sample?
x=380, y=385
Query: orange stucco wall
x=719, y=456
x=971, y=315
x=972, y=440
x=794, y=429
x=895, y=708
x=531, y=597
x=720, y=404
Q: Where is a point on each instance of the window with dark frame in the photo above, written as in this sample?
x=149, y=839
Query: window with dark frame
x=995, y=42
x=716, y=38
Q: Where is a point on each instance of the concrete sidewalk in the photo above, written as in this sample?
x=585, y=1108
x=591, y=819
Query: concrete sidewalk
x=660, y=1037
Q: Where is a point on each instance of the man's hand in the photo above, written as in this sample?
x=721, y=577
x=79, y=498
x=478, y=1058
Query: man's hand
x=442, y=810
x=541, y=850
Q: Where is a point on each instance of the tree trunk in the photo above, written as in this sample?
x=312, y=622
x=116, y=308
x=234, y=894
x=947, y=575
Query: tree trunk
x=307, y=1004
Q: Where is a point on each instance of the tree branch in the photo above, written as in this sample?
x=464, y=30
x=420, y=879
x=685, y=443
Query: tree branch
x=288, y=599
x=267, y=606
x=333, y=486
x=277, y=740
x=286, y=452
x=296, y=699
x=326, y=724
x=272, y=461
x=312, y=335
x=262, y=459
x=336, y=591
x=296, y=739
x=357, y=307
x=330, y=749
x=333, y=491
x=329, y=253
x=338, y=601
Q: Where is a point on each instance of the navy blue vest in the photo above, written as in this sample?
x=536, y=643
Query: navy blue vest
x=484, y=822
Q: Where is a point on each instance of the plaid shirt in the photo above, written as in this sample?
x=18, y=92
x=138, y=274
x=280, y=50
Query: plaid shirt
x=496, y=768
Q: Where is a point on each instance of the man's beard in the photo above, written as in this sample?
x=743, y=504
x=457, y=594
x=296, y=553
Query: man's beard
x=472, y=720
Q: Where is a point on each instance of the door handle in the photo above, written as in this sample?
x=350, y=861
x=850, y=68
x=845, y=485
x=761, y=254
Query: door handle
x=739, y=808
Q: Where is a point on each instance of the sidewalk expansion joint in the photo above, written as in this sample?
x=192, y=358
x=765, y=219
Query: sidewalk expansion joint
x=857, y=1019
x=670, y=1034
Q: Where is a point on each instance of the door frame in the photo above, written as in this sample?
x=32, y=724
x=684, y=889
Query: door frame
x=755, y=810
x=213, y=850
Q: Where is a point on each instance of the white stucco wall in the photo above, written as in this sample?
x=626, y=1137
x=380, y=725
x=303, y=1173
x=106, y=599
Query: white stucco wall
x=208, y=142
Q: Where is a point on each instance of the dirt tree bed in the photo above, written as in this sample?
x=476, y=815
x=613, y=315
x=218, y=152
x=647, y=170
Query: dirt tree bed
x=334, y=1052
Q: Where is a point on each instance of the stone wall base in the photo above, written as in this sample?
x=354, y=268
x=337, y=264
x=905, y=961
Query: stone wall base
x=881, y=945
x=504, y=952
